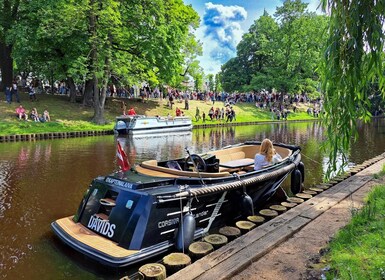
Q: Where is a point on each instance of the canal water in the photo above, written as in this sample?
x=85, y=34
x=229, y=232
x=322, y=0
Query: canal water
x=44, y=180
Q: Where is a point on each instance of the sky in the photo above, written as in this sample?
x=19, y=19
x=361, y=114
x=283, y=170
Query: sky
x=223, y=22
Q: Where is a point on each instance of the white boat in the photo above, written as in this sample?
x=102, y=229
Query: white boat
x=139, y=124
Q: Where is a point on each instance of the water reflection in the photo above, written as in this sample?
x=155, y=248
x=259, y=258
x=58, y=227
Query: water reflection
x=45, y=180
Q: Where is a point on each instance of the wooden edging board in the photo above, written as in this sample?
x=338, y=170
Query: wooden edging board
x=238, y=254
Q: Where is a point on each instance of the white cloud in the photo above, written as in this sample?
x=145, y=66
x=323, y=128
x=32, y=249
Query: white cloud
x=221, y=34
x=314, y=5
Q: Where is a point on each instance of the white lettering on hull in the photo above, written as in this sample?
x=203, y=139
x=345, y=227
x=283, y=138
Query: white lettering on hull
x=101, y=226
x=167, y=223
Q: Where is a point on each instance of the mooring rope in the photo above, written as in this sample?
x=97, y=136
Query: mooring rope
x=310, y=158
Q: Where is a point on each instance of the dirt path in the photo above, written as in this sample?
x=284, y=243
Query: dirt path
x=298, y=257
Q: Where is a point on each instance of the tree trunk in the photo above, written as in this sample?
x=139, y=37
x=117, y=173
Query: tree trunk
x=98, y=117
x=6, y=65
x=98, y=98
x=71, y=84
x=88, y=95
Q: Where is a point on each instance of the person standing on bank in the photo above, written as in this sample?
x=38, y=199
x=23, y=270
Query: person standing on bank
x=8, y=95
x=266, y=156
x=15, y=92
x=31, y=93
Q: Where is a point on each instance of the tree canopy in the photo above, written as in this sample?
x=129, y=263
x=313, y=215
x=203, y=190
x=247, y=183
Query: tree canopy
x=352, y=63
x=281, y=52
x=95, y=41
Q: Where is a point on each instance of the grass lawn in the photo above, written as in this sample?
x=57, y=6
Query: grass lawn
x=66, y=116
x=358, y=251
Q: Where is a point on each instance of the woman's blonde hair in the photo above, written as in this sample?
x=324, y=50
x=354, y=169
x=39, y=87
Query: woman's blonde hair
x=267, y=149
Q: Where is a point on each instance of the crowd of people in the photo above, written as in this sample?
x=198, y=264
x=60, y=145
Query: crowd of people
x=279, y=105
x=22, y=114
x=227, y=114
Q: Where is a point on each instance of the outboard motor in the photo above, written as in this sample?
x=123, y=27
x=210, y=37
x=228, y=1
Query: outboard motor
x=186, y=230
x=296, y=181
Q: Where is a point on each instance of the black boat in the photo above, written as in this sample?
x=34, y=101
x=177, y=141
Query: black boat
x=133, y=215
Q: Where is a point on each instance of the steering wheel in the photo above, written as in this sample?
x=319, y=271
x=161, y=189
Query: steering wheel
x=199, y=162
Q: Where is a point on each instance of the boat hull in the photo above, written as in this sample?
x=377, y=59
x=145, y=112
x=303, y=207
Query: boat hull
x=139, y=125
x=127, y=218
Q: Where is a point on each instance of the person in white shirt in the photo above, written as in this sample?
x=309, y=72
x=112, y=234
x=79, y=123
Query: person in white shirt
x=266, y=155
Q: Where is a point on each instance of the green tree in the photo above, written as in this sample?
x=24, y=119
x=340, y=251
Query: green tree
x=9, y=14
x=197, y=74
x=298, y=46
x=231, y=75
x=281, y=52
x=94, y=40
x=210, y=82
x=353, y=61
x=255, y=51
x=217, y=85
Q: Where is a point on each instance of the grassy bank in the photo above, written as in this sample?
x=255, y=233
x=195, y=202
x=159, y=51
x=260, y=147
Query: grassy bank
x=358, y=251
x=67, y=117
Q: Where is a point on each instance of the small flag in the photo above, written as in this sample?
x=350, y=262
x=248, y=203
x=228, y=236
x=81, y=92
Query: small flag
x=122, y=158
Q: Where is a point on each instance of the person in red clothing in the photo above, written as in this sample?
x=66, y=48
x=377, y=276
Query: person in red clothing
x=21, y=113
x=178, y=112
x=131, y=112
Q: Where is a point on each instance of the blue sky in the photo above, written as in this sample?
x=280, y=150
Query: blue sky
x=223, y=22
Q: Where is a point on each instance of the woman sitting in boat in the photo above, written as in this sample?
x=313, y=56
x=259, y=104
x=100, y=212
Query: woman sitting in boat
x=266, y=155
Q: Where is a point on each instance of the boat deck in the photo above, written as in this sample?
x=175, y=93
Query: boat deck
x=230, y=160
x=83, y=235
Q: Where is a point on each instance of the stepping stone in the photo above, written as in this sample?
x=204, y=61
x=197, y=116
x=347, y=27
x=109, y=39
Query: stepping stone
x=230, y=232
x=256, y=219
x=295, y=200
x=200, y=249
x=268, y=213
x=175, y=262
x=217, y=240
x=278, y=208
x=152, y=271
x=318, y=190
x=289, y=204
x=333, y=182
x=245, y=226
x=309, y=192
x=304, y=195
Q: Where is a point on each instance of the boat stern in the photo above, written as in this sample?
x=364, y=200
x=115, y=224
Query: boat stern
x=91, y=244
x=99, y=248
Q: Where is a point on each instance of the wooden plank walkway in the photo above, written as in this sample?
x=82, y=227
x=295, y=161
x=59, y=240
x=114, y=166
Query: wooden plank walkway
x=228, y=260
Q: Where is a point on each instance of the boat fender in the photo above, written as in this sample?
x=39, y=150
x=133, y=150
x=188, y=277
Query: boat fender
x=301, y=167
x=186, y=230
x=296, y=181
x=247, y=205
